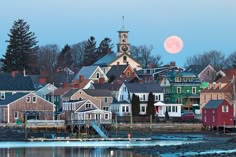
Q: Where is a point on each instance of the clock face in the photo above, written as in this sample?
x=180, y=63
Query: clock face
x=124, y=48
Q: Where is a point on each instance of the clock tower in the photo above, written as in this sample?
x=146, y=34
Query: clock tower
x=123, y=46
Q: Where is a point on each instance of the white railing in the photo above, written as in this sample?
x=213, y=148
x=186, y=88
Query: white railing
x=49, y=123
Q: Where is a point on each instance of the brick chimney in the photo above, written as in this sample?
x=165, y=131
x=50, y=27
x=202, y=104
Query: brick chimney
x=81, y=78
x=13, y=73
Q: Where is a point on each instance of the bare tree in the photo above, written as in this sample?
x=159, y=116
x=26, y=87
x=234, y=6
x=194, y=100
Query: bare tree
x=77, y=51
x=143, y=54
x=213, y=57
x=231, y=61
x=47, y=57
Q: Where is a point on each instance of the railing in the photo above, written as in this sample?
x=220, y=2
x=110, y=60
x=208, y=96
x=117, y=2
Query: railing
x=74, y=122
x=45, y=123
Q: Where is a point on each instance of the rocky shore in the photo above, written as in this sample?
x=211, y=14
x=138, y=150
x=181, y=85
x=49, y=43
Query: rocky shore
x=215, y=148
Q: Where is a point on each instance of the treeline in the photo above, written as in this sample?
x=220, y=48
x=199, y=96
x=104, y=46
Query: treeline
x=23, y=52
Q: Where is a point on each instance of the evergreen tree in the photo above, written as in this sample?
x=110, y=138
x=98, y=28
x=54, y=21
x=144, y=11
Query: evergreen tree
x=150, y=105
x=90, y=52
x=21, y=52
x=135, y=105
x=104, y=47
x=65, y=57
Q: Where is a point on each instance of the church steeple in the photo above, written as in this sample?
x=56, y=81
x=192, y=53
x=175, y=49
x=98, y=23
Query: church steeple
x=123, y=45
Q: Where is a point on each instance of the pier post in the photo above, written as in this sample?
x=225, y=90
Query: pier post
x=116, y=126
x=26, y=127
x=150, y=125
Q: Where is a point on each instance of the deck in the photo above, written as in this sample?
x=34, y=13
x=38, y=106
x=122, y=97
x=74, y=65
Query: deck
x=45, y=124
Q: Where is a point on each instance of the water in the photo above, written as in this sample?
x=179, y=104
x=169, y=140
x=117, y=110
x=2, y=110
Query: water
x=79, y=149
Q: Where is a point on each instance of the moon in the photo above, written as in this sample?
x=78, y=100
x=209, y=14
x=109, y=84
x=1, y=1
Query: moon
x=173, y=44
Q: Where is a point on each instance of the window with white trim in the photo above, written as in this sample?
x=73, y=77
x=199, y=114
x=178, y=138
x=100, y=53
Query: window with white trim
x=34, y=99
x=225, y=108
x=87, y=105
x=106, y=116
x=193, y=90
x=2, y=95
x=98, y=75
x=178, y=90
x=28, y=99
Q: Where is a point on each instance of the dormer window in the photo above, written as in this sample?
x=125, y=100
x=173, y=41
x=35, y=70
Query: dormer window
x=28, y=99
x=98, y=75
x=220, y=85
x=214, y=85
x=2, y=95
x=87, y=106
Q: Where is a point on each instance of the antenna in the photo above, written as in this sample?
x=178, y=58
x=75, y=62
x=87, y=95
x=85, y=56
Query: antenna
x=123, y=21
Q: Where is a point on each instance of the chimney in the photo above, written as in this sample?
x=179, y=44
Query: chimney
x=150, y=65
x=81, y=78
x=13, y=73
x=172, y=64
x=101, y=80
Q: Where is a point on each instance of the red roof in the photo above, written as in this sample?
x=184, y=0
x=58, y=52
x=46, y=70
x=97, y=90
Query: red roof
x=230, y=72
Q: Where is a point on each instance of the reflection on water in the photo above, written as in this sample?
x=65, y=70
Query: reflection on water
x=67, y=152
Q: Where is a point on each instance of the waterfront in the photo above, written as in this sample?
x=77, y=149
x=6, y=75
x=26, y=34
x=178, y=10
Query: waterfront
x=161, y=145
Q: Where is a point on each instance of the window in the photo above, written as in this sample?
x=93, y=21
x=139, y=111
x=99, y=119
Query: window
x=88, y=106
x=2, y=95
x=216, y=96
x=193, y=90
x=204, y=97
x=214, y=85
x=143, y=109
x=105, y=108
x=124, y=58
x=156, y=97
x=144, y=97
x=105, y=99
x=128, y=74
x=159, y=97
x=169, y=108
x=34, y=99
x=190, y=79
x=106, y=116
x=211, y=96
x=173, y=109
x=208, y=72
x=89, y=116
x=178, y=90
x=177, y=79
x=185, y=79
x=98, y=75
x=178, y=100
x=127, y=108
x=213, y=120
x=28, y=99
x=124, y=89
x=16, y=115
x=121, y=97
x=225, y=108
x=205, y=118
x=123, y=108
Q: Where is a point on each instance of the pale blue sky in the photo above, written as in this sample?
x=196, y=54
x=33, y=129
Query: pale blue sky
x=202, y=24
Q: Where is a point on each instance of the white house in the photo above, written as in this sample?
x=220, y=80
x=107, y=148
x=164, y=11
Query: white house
x=142, y=90
x=174, y=110
x=122, y=108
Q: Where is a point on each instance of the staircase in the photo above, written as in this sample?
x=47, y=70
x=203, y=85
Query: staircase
x=99, y=129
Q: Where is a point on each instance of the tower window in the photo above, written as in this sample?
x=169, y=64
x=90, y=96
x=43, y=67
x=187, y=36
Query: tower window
x=124, y=58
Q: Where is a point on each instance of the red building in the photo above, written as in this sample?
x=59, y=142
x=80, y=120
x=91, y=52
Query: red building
x=217, y=113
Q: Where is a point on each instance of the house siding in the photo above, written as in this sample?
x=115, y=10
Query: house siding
x=21, y=106
x=131, y=62
x=208, y=74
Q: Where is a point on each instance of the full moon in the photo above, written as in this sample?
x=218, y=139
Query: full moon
x=173, y=44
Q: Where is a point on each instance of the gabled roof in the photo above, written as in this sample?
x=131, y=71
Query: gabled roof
x=108, y=86
x=45, y=90
x=9, y=98
x=116, y=70
x=86, y=71
x=196, y=69
x=144, y=87
x=213, y=104
x=70, y=92
x=17, y=83
x=62, y=77
x=104, y=61
x=98, y=92
x=60, y=91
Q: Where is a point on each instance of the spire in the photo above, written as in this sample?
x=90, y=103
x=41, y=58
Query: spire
x=123, y=29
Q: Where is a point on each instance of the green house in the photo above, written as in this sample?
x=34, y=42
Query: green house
x=181, y=88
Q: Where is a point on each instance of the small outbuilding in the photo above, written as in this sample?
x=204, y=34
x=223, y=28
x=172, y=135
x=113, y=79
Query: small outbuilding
x=217, y=113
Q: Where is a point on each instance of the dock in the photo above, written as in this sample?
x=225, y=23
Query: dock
x=86, y=139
